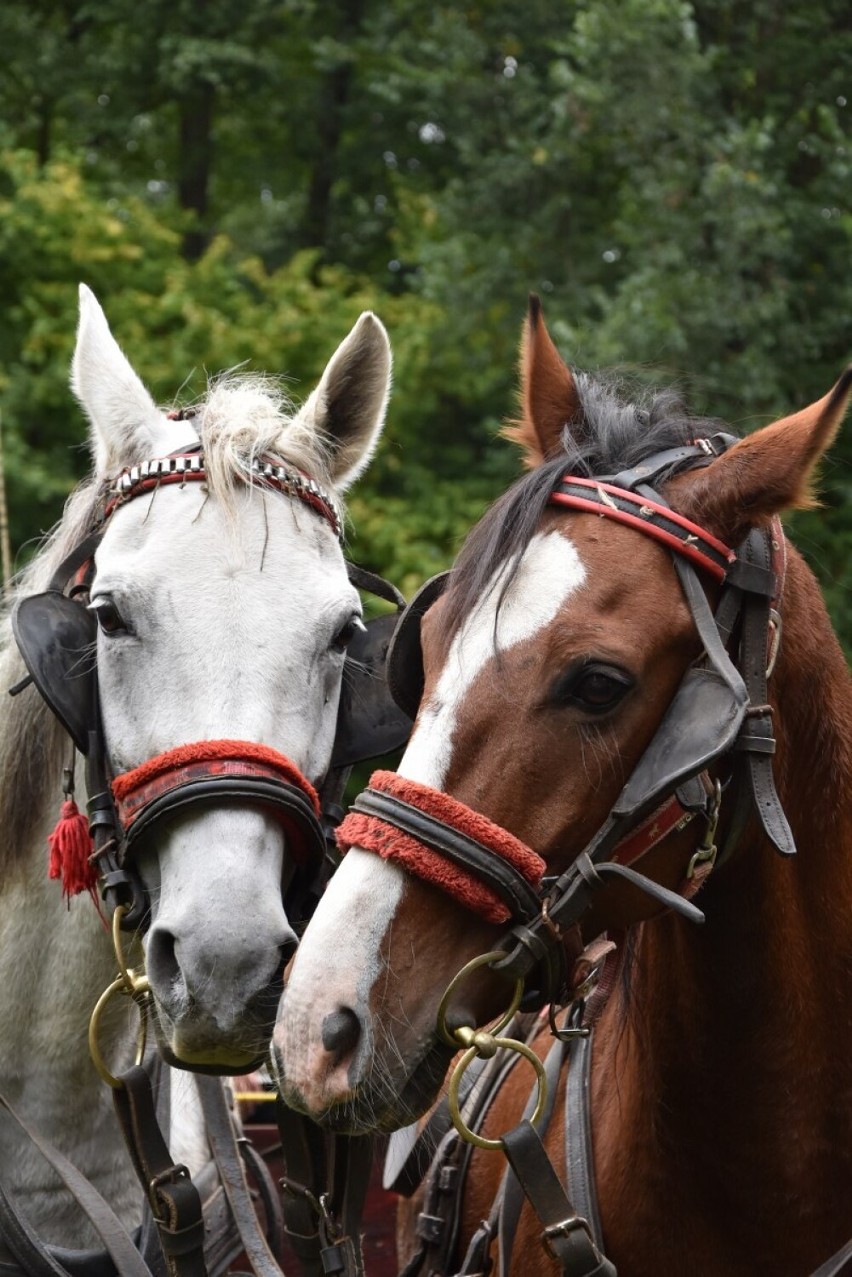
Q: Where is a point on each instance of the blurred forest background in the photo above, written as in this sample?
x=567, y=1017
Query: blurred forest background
x=238, y=179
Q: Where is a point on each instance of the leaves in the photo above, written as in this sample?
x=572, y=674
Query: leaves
x=673, y=178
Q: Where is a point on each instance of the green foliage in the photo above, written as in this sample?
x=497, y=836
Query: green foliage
x=237, y=182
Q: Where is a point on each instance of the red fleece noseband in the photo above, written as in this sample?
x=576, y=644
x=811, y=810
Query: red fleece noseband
x=372, y=834
x=135, y=789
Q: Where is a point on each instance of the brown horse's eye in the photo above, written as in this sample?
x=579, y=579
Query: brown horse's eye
x=110, y=620
x=593, y=688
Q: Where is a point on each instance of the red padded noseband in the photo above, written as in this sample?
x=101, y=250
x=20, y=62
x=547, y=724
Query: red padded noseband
x=136, y=790
x=370, y=833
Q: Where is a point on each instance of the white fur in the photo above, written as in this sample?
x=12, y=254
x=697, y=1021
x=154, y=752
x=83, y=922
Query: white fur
x=233, y=596
x=364, y=895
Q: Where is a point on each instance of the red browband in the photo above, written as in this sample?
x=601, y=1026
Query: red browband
x=651, y=517
x=372, y=834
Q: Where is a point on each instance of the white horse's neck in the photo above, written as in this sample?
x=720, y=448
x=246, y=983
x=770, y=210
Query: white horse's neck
x=55, y=961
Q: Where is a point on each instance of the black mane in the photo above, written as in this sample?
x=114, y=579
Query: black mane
x=615, y=435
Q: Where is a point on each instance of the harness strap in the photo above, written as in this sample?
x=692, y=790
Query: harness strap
x=758, y=740
x=26, y=1246
x=324, y=1190
x=219, y=1128
x=566, y=1236
x=173, y=1197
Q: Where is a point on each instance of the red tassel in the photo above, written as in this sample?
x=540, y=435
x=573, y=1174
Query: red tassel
x=70, y=848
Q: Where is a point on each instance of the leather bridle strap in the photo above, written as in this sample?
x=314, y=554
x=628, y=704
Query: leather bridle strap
x=648, y=516
x=174, y=1199
x=566, y=1235
x=498, y=875
x=219, y=1129
x=325, y=1186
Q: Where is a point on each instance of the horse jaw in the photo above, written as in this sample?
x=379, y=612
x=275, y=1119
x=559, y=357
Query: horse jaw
x=392, y=1066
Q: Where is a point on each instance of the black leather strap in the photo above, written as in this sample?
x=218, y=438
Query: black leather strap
x=264, y=790
x=579, y=1162
x=363, y=579
x=565, y=1235
x=324, y=1190
x=23, y=1241
x=496, y=873
x=758, y=738
x=222, y=1138
x=173, y=1197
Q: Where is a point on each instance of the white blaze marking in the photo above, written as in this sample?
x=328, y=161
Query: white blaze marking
x=550, y=571
x=338, y=962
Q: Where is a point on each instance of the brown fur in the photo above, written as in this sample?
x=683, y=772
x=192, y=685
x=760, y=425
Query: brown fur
x=548, y=396
x=722, y=1070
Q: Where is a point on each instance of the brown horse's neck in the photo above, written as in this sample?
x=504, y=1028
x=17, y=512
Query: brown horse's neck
x=732, y=1043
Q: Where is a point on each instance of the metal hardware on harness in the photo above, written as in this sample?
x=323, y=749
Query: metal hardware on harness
x=450, y=1036
x=574, y=1027
x=484, y=1043
x=562, y=1229
x=133, y=984
x=492, y=1045
x=707, y=850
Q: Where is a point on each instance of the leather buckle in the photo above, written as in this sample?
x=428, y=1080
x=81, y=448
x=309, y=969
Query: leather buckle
x=563, y=1230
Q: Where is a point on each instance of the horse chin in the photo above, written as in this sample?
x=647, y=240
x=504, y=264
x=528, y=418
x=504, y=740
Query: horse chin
x=373, y=1108
x=201, y=1049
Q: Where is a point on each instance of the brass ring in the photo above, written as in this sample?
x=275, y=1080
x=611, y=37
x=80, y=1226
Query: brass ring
x=139, y=997
x=508, y=1044
x=485, y=959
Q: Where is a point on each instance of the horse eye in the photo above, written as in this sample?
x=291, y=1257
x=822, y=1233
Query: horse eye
x=110, y=620
x=594, y=689
x=344, y=636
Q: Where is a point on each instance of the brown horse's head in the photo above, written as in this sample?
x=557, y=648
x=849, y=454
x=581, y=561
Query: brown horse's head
x=549, y=662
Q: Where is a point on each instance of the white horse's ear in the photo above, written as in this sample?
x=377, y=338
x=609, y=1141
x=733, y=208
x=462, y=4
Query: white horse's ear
x=347, y=408
x=126, y=425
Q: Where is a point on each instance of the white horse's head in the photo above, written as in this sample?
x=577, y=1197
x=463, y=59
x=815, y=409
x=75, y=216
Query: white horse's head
x=224, y=609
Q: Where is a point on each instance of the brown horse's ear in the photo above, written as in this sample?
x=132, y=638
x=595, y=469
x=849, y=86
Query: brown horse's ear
x=548, y=395
x=768, y=471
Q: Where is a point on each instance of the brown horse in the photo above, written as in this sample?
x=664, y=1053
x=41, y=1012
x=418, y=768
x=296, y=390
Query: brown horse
x=721, y=1077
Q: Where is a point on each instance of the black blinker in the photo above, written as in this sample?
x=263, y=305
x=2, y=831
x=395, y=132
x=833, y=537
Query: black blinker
x=56, y=638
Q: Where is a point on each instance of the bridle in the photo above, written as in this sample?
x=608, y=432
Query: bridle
x=719, y=711
x=718, y=718
x=56, y=634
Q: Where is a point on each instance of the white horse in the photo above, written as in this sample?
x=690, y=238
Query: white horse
x=224, y=610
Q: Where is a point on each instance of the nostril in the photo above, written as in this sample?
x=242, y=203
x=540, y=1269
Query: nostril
x=341, y=1031
x=161, y=959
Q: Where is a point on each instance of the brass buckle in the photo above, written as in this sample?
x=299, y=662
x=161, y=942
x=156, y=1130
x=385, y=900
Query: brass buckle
x=563, y=1229
x=707, y=850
